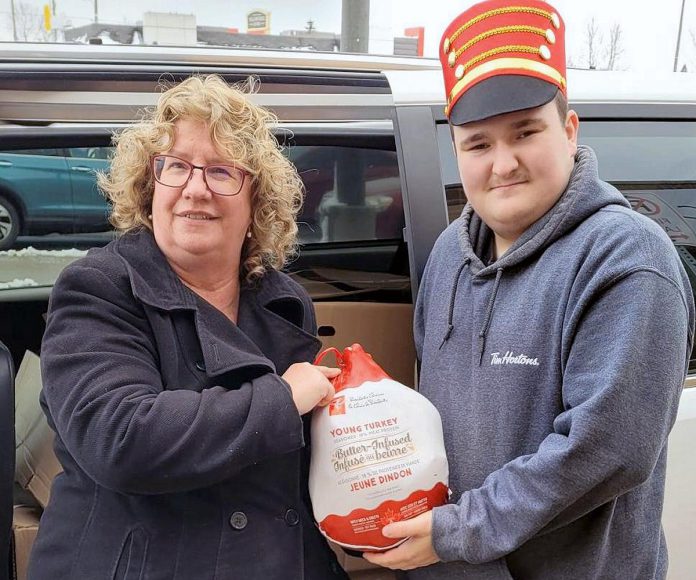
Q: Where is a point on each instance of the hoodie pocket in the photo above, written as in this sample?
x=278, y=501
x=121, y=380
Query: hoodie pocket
x=131, y=561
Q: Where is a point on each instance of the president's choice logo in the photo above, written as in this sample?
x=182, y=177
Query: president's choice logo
x=510, y=358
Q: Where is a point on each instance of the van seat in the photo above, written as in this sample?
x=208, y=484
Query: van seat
x=36, y=463
x=25, y=526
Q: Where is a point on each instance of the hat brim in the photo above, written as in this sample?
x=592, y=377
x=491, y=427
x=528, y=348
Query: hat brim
x=499, y=95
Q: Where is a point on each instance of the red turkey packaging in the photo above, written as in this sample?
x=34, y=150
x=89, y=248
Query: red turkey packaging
x=378, y=455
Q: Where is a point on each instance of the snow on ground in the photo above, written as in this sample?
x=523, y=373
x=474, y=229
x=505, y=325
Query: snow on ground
x=32, y=251
x=32, y=267
x=17, y=283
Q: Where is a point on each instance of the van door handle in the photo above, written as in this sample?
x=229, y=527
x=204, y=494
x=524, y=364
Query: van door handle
x=81, y=168
x=5, y=163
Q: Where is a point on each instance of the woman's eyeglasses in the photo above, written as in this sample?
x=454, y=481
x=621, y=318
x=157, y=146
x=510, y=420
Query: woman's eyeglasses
x=220, y=179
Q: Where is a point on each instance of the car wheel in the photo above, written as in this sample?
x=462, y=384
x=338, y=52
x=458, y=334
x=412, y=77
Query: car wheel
x=9, y=224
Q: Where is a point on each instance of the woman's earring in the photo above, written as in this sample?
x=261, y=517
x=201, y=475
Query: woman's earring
x=249, y=234
x=149, y=216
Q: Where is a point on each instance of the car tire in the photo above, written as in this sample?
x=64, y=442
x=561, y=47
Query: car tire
x=9, y=223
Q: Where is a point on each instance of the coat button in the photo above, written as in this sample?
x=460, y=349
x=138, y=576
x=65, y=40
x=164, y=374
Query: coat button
x=200, y=365
x=292, y=518
x=238, y=520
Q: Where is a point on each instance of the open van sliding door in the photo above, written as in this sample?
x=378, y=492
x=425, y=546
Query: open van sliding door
x=424, y=195
x=353, y=259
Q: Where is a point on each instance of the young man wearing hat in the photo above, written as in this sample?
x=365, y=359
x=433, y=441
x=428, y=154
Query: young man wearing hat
x=554, y=326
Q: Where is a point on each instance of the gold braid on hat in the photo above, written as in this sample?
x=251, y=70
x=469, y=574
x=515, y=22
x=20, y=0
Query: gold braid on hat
x=545, y=33
x=552, y=16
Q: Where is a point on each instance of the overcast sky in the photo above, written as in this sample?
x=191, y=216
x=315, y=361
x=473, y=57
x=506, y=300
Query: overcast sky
x=649, y=29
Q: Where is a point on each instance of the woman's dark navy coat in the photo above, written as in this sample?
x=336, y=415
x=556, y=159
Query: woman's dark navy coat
x=184, y=456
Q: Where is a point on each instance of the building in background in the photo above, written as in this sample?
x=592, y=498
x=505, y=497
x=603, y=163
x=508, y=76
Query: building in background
x=181, y=30
x=170, y=29
x=165, y=28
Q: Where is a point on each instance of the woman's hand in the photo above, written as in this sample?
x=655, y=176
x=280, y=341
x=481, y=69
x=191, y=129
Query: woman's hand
x=310, y=385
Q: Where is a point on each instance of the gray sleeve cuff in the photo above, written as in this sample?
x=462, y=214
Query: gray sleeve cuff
x=447, y=537
x=451, y=545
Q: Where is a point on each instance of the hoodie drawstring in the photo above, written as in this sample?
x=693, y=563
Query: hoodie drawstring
x=453, y=295
x=489, y=315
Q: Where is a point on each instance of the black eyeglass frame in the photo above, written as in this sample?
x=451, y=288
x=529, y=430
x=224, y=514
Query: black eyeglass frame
x=203, y=169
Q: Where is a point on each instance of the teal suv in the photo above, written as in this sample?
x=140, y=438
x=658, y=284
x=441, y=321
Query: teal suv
x=52, y=190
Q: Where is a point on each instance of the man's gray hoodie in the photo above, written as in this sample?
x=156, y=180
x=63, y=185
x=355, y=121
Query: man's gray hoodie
x=557, y=370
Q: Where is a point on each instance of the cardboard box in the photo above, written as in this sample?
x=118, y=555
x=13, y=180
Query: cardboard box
x=384, y=330
x=25, y=526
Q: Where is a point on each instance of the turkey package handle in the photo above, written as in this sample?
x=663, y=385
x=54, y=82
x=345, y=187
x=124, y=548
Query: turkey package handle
x=333, y=349
x=357, y=367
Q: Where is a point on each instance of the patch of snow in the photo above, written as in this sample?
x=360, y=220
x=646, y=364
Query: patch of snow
x=106, y=38
x=32, y=251
x=17, y=283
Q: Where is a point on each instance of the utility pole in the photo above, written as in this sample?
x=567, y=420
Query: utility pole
x=14, y=21
x=355, y=25
x=679, y=35
x=96, y=12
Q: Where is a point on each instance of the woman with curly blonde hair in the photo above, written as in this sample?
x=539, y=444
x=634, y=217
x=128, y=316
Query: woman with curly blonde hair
x=176, y=361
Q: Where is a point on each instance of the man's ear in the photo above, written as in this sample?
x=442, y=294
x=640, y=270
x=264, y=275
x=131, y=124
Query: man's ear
x=572, y=124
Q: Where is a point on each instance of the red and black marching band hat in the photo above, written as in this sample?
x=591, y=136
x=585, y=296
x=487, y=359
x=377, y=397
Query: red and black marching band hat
x=502, y=56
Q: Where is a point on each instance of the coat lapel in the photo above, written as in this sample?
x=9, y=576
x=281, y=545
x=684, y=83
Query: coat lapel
x=269, y=334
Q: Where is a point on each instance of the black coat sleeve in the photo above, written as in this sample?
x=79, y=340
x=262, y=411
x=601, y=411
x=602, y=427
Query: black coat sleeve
x=107, y=403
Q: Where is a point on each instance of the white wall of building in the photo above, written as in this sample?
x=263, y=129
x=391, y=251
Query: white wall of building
x=167, y=29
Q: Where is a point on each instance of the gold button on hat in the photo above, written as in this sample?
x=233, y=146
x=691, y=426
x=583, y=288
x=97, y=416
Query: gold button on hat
x=555, y=20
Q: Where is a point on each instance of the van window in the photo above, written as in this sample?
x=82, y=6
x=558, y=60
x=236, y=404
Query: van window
x=674, y=209
x=652, y=163
x=350, y=225
x=351, y=194
x=643, y=151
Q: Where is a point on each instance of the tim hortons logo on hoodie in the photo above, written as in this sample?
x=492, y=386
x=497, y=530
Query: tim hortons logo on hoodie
x=510, y=358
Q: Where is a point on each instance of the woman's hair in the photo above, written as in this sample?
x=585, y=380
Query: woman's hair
x=241, y=131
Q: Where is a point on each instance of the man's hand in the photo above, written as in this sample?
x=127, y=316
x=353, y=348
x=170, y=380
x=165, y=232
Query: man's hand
x=415, y=552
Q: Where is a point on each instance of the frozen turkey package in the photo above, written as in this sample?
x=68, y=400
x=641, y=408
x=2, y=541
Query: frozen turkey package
x=378, y=455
